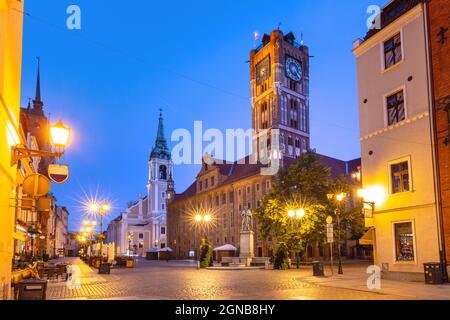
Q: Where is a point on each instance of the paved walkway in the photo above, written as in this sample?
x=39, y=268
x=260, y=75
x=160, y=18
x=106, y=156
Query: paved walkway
x=355, y=278
x=180, y=280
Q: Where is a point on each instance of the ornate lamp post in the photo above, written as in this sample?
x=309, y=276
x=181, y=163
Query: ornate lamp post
x=202, y=220
x=296, y=215
x=87, y=231
x=339, y=198
x=101, y=210
x=59, y=136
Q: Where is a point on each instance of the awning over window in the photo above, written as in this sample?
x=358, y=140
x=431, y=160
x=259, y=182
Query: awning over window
x=367, y=238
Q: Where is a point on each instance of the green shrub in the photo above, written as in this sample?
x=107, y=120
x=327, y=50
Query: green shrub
x=206, y=254
x=281, y=261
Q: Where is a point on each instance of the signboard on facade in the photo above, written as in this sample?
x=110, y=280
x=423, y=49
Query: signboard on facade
x=44, y=204
x=58, y=173
x=368, y=213
x=36, y=185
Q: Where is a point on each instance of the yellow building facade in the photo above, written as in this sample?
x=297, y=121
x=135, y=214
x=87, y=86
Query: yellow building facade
x=10, y=77
x=397, y=142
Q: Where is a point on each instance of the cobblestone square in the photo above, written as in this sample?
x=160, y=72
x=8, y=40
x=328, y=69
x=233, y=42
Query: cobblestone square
x=180, y=280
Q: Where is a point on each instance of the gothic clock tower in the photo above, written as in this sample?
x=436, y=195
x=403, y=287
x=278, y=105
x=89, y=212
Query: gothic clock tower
x=279, y=81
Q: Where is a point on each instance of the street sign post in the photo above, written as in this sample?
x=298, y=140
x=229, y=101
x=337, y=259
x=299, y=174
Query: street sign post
x=330, y=239
x=330, y=236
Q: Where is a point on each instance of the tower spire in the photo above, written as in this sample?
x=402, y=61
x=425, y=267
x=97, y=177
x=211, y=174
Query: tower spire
x=37, y=102
x=160, y=149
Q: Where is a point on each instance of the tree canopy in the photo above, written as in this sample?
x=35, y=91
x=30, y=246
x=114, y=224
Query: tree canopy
x=305, y=185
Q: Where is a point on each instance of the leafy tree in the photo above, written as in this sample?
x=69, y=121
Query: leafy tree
x=281, y=261
x=306, y=185
x=206, y=257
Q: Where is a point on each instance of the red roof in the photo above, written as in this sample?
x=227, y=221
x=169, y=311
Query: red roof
x=243, y=169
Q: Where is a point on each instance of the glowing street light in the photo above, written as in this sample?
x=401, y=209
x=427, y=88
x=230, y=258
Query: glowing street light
x=339, y=197
x=296, y=213
x=59, y=134
x=300, y=213
x=93, y=207
x=363, y=194
x=101, y=209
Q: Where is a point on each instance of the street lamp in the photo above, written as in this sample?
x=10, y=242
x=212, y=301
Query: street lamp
x=362, y=194
x=296, y=214
x=202, y=220
x=102, y=210
x=59, y=136
x=88, y=229
x=339, y=198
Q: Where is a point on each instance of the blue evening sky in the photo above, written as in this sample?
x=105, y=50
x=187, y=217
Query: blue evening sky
x=109, y=79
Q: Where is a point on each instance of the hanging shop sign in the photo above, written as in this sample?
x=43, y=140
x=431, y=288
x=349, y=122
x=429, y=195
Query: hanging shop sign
x=58, y=173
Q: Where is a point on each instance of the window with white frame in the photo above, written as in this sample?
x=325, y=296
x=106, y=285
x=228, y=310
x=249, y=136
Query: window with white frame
x=400, y=177
x=395, y=104
x=392, y=51
x=404, y=241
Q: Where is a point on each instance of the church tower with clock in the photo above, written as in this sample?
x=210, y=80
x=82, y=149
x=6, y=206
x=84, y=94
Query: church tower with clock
x=279, y=81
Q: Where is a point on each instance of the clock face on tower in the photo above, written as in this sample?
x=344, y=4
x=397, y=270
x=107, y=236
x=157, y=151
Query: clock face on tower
x=293, y=69
x=262, y=70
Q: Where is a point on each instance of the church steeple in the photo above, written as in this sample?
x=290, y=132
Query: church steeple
x=160, y=149
x=37, y=102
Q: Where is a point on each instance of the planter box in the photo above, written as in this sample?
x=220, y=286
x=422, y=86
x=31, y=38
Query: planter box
x=105, y=268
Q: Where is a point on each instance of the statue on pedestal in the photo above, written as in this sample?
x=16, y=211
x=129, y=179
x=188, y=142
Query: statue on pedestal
x=247, y=221
x=246, y=237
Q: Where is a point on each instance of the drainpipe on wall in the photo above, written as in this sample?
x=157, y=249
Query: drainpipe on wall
x=434, y=143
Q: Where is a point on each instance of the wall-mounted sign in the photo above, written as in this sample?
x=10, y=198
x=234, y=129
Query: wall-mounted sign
x=36, y=185
x=58, y=173
x=44, y=204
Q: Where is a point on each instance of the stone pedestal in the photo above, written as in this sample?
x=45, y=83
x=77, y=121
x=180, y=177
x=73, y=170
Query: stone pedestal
x=246, y=245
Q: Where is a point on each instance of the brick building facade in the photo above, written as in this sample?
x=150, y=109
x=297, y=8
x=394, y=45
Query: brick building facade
x=224, y=191
x=439, y=37
x=279, y=84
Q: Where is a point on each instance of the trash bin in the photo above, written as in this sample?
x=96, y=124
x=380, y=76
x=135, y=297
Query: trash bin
x=105, y=268
x=130, y=263
x=317, y=269
x=32, y=289
x=433, y=273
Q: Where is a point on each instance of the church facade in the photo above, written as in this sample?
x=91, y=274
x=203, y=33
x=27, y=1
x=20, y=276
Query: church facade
x=279, y=84
x=142, y=227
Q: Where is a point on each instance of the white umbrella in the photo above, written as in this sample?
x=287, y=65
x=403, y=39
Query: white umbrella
x=227, y=247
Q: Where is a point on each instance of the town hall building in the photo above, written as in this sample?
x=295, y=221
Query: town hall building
x=279, y=85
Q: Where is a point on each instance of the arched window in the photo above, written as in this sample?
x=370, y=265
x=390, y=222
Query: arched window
x=163, y=172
